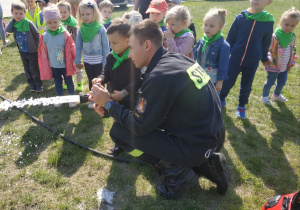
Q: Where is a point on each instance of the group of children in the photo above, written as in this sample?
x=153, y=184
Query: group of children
x=46, y=45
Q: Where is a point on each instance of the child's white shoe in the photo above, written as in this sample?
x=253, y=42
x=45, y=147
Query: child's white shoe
x=265, y=100
x=58, y=105
x=6, y=44
x=279, y=98
x=72, y=105
x=90, y=106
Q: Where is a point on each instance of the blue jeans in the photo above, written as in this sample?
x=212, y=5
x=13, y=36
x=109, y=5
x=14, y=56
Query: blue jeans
x=57, y=73
x=2, y=34
x=248, y=73
x=272, y=77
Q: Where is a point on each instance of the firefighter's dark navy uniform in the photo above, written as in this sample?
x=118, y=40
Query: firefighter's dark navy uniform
x=176, y=125
x=177, y=116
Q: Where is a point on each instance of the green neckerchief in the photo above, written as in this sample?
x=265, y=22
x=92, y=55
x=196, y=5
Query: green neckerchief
x=207, y=41
x=60, y=30
x=284, y=38
x=182, y=32
x=22, y=25
x=105, y=22
x=71, y=21
x=89, y=30
x=162, y=23
x=263, y=16
x=119, y=60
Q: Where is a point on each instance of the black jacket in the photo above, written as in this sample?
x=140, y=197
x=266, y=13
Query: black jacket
x=170, y=100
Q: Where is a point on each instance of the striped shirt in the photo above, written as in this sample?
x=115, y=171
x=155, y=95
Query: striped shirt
x=92, y=59
x=286, y=54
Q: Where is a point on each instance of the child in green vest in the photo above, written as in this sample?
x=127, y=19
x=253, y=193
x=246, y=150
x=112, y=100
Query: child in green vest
x=39, y=18
x=32, y=10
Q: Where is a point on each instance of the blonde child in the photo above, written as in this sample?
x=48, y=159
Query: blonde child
x=179, y=38
x=282, y=56
x=106, y=9
x=57, y=53
x=27, y=39
x=70, y=23
x=212, y=51
x=91, y=41
x=32, y=10
x=157, y=10
x=40, y=23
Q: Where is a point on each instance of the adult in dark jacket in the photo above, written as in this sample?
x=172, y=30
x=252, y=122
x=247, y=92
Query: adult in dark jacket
x=177, y=123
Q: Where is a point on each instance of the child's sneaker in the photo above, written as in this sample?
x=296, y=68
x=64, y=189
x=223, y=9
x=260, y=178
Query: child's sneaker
x=79, y=86
x=39, y=90
x=90, y=106
x=241, y=112
x=6, y=44
x=57, y=105
x=32, y=88
x=72, y=105
x=279, y=98
x=65, y=87
x=0, y=52
x=265, y=100
x=223, y=103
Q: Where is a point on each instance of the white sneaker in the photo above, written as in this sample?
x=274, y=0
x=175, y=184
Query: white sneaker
x=6, y=44
x=0, y=52
x=90, y=106
x=279, y=98
x=57, y=105
x=72, y=105
x=265, y=100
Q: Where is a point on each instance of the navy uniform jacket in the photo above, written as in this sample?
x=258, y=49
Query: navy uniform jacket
x=259, y=41
x=170, y=100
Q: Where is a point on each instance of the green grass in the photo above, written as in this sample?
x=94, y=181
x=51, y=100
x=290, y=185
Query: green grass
x=39, y=170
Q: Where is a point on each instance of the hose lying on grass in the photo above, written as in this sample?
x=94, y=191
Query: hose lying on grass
x=76, y=143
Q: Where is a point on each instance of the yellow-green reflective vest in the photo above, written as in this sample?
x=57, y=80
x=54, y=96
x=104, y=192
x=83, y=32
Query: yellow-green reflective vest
x=28, y=16
x=38, y=23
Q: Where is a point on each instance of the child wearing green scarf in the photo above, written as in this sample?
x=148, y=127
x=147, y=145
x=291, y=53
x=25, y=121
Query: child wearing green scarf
x=27, y=38
x=106, y=9
x=57, y=53
x=70, y=23
x=92, y=42
x=212, y=51
x=249, y=38
x=119, y=71
x=179, y=38
x=282, y=56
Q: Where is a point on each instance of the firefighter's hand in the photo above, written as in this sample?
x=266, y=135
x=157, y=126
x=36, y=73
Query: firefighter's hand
x=99, y=95
x=219, y=85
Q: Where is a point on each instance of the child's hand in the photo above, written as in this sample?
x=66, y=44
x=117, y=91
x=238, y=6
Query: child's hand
x=291, y=65
x=219, y=85
x=79, y=66
x=97, y=81
x=117, y=95
x=267, y=63
x=168, y=34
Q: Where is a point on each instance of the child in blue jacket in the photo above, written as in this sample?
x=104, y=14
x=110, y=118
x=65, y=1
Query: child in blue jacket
x=212, y=51
x=249, y=38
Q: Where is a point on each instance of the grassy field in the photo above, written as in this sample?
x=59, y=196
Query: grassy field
x=39, y=170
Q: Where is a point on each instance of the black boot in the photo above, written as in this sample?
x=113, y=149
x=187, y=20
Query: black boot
x=175, y=179
x=215, y=170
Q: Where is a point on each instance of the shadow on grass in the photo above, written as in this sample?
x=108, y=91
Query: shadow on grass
x=63, y=155
x=261, y=159
x=130, y=181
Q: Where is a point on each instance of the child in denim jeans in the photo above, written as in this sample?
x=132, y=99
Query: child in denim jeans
x=91, y=41
x=57, y=53
x=282, y=56
x=212, y=51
